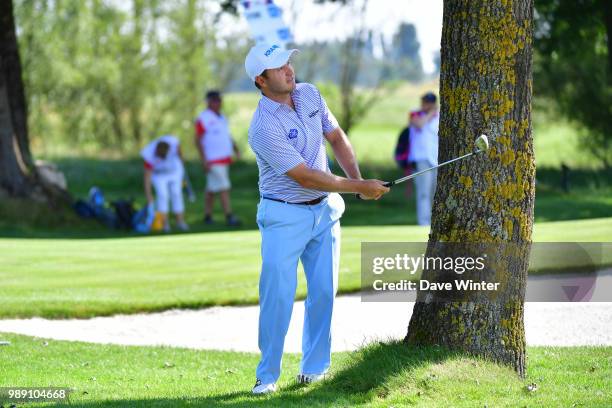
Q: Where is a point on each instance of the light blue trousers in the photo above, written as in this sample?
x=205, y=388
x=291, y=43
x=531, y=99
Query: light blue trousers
x=292, y=232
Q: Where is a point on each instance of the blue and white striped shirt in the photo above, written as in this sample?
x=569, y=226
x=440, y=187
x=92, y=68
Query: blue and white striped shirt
x=282, y=138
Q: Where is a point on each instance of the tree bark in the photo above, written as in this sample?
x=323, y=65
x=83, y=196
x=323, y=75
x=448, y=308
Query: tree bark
x=486, y=87
x=18, y=175
x=15, y=159
x=607, y=17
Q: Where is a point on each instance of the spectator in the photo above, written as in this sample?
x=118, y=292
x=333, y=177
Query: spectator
x=215, y=145
x=164, y=170
x=424, y=153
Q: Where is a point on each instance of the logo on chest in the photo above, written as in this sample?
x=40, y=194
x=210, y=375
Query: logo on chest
x=293, y=133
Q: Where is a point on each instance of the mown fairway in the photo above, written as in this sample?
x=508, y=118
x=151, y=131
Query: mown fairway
x=87, y=277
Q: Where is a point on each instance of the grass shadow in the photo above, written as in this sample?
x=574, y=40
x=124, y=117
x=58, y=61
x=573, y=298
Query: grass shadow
x=358, y=381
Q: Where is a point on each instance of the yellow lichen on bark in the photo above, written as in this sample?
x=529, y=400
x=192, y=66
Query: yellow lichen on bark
x=523, y=127
x=508, y=228
x=466, y=181
x=457, y=98
x=509, y=126
x=507, y=157
x=514, y=339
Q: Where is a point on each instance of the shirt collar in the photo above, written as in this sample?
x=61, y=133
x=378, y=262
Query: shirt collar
x=218, y=115
x=272, y=106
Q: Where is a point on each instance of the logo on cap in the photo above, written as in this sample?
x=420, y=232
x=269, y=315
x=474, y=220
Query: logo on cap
x=271, y=50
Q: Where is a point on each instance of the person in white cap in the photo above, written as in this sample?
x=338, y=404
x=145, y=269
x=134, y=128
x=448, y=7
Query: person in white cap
x=164, y=170
x=297, y=216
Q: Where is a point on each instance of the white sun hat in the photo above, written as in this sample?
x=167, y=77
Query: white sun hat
x=266, y=56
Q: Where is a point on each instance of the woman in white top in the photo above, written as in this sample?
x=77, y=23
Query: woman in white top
x=164, y=170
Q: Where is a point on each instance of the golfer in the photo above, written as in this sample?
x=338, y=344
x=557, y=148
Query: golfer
x=163, y=168
x=297, y=216
x=424, y=154
x=215, y=146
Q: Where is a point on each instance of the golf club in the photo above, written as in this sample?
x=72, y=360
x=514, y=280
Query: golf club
x=481, y=144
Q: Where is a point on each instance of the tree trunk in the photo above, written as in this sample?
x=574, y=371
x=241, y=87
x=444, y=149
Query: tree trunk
x=607, y=16
x=485, y=84
x=15, y=159
x=18, y=175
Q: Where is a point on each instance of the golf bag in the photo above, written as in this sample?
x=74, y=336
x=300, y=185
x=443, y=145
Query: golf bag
x=124, y=213
x=100, y=211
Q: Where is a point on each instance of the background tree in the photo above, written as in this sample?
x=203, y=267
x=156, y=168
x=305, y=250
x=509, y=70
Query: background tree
x=109, y=75
x=485, y=88
x=437, y=63
x=350, y=103
x=405, y=53
x=18, y=175
x=574, y=67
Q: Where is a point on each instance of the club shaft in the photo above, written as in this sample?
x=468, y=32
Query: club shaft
x=413, y=175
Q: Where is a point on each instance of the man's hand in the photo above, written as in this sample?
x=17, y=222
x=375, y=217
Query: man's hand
x=372, y=189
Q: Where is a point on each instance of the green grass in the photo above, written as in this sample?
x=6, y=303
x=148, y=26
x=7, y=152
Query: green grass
x=54, y=264
x=590, y=197
x=556, y=141
x=87, y=277
x=380, y=375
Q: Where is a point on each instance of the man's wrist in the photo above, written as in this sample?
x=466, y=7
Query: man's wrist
x=352, y=185
x=353, y=173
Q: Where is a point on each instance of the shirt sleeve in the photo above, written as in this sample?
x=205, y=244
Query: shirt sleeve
x=328, y=120
x=199, y=128
x=275, y=150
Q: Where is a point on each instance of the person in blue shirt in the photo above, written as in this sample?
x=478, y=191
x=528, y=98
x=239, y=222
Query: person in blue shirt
x=299, y=211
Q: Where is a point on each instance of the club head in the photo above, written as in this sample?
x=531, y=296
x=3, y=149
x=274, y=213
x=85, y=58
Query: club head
x=482, y=143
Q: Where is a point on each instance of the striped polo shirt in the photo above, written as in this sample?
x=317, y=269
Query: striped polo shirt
x=282, y=138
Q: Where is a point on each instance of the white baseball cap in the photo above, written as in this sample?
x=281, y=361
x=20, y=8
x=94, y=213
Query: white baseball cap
x=266, y=56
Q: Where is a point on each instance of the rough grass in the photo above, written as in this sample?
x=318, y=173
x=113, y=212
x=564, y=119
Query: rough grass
x=380, y=375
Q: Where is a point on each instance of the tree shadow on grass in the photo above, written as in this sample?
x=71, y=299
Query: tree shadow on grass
x=359, y=380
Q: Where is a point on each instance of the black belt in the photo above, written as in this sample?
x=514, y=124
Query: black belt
x=311, y=202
